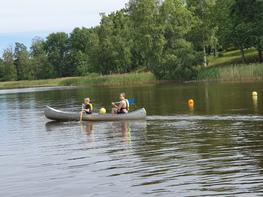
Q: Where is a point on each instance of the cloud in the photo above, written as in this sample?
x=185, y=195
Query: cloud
x=53, y=15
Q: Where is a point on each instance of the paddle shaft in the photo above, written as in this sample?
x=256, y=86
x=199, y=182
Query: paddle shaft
x=81, y=115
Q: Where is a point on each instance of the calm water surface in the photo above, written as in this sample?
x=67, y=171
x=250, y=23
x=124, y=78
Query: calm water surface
x=214, y=149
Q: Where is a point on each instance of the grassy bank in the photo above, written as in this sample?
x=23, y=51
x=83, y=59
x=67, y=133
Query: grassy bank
x=233, y=57
x=91, y=80
x=228, y=67
x=111, y=80
x=242, y=72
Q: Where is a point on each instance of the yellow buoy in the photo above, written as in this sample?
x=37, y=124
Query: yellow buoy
x=102, y=110
x=254, y=93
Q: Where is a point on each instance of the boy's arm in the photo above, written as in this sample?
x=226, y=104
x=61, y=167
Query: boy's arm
x=114, y=105
x=120, y=105
x=83, y=107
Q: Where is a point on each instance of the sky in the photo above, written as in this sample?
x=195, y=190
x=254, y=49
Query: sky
x=22, y=20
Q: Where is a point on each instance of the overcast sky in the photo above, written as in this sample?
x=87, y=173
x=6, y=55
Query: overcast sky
x=21, y=20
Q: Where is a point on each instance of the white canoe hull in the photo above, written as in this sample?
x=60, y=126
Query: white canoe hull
x=57, y=115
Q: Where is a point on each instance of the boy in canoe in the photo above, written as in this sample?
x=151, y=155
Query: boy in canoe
x=121, y=107
x=87, y=106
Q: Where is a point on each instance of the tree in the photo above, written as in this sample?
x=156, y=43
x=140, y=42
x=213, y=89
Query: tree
x=239, y=24
x=7, y=67
x=147, y=32
x=22, y=62
x=39, y=60
x=178, y=56
x=248, y=16
x=83, y=48
x=114, y=43
x=167, y=37
x=204, y=30
x=57, y=49
x=2, y=74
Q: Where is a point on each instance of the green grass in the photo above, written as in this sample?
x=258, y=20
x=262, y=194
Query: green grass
x=229, y=67
x=111, y=80
x=90, y=80
x=242, y=72
x=31, y=83
x=233, y=57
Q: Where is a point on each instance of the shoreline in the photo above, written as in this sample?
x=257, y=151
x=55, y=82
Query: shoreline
x=131, y=79
x=227, y=73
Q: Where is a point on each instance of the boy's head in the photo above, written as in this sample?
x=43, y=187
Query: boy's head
x=87, y=100
x=122, y=96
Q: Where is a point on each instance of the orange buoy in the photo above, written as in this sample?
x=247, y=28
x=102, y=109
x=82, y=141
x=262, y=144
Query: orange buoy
x=190, y=102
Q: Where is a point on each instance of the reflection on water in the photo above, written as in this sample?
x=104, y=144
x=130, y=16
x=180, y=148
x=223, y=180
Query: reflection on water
x=123, y=128
x=214, y=150
x=255, y=103
x=87, y=127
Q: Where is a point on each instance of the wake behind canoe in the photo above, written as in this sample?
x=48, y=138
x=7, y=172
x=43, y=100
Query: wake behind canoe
x=57, y=115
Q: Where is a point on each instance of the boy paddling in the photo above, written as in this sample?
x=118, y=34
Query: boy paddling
x=122, y=107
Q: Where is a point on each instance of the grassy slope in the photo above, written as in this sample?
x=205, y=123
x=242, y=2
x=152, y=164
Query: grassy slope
x=94, y=80
x=229, y=67
x=233, y=57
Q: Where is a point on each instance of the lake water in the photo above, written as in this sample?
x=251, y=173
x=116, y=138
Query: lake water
x=213, y=149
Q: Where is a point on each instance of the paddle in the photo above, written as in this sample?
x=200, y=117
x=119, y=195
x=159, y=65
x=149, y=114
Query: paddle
x=81, y=115
x=131, y=101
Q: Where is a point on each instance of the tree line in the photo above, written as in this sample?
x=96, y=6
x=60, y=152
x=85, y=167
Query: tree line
x=168, y=37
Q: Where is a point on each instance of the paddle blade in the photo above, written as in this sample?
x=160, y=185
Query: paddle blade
x=131, y=101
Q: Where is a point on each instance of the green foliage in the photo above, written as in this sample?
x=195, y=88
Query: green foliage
x=57, y=50
x=240, y=24
x=39, y=61
x=22, y=62
x=177, y=54
x=170, y=38
x=114, y=54
x=203, y=33
x=7, y=66
x=250, y=14
x=83, y=48
x=146, y=32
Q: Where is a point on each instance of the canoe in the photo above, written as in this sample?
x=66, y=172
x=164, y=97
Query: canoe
x=57, y=115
